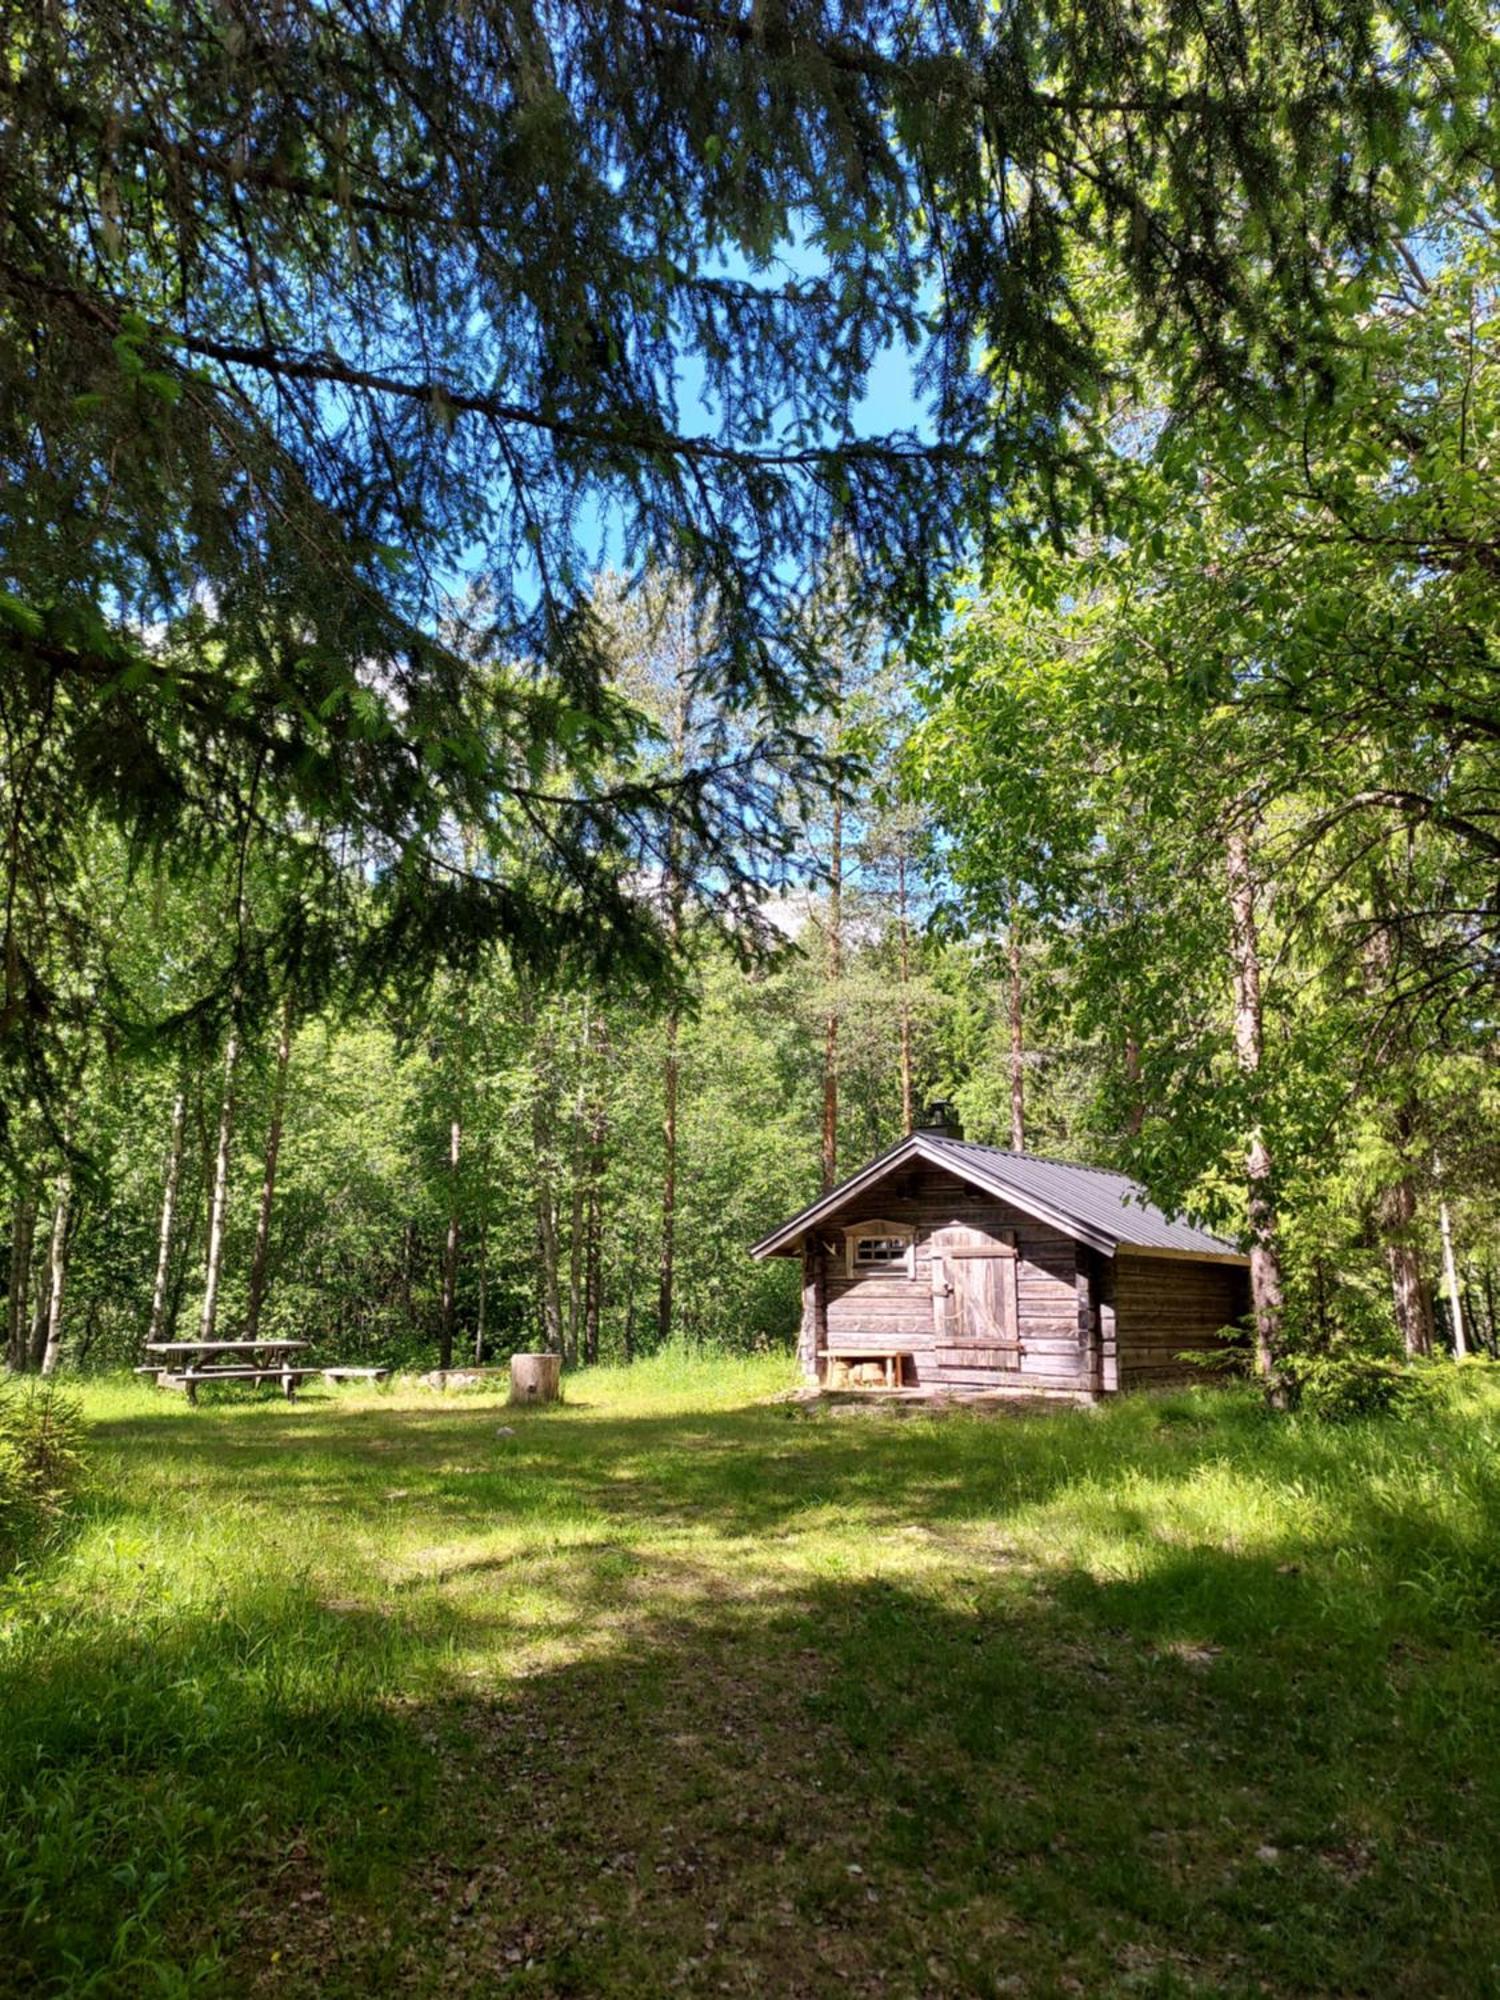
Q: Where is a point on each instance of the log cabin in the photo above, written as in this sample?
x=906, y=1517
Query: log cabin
x=954, y=1266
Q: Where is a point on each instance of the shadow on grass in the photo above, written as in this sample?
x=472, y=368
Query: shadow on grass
x=636, y=1753
x=823, y=1786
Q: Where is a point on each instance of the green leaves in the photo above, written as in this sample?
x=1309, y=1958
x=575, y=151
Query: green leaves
x=20, y=616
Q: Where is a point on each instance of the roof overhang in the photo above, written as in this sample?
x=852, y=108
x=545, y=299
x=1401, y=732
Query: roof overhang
x=783, y=1242
x=1235, y=1257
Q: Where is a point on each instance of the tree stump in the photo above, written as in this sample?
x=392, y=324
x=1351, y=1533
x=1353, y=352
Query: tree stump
x=535, y=1378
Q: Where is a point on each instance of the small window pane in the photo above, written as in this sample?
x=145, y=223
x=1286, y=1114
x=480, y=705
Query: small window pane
x=880, y=1250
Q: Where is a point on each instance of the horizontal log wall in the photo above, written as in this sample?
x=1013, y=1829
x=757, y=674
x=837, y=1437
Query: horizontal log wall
x=1056, y=1335
x=1165, y=1306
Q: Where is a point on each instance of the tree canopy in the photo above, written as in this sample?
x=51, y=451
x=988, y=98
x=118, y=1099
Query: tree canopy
x=315, y=314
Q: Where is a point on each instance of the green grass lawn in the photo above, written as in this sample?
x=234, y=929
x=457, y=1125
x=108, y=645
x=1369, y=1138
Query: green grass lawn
x=681, y=1689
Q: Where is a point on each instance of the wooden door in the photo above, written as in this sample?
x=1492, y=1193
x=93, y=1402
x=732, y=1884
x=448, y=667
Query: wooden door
x=974, y=1296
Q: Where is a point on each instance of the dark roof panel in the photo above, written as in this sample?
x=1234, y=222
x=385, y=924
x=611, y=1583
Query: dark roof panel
x=1112, y=1204
x=1105, y=1209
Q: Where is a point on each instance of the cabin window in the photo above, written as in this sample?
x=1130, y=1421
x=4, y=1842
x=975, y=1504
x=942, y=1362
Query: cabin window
x=879, y=1246
x=879, y=1250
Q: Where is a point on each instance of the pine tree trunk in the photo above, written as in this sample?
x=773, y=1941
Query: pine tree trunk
x=1409, y=1299
x=903, y=943
x=168, y=1216
x=90, y=1331
x=593, y=1250
x=577, y=1204
x=1411, y=1307
x=578, y=1192
x=408, y=1261
x=1135, y=1116
x=593, y=1275
x=260, y=1256
x=682, y=732
x=549, y=1295
x=1267, y=1291
x=1471, y=1315
x=219, y=1203
x=667, y=1270
x=57, y=1272
x=1017, y=1044
x=450, y=1246
x=835, y=975
x=23, y=1238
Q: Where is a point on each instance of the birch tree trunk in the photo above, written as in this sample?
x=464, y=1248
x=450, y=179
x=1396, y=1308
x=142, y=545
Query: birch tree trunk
x=41, y=1287
x=219, y=1202
x=835, y=976
x=484, y=1285
x=667, y=1269
x=578, y=1192
x=260, y=1256
x=57, y=1272
x=1267, y=1290
x=1397, y=1211
x=23, y=1237
x=168, y=1216
x=1017, y=1043
x=903, y=961
x=1450, y=1280
x=593, y=1249
x=450, y=1245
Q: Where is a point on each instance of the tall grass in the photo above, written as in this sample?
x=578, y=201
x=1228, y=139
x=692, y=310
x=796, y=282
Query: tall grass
x=373, y=1691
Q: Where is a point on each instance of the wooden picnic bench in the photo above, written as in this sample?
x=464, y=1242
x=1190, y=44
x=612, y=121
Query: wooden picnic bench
x=205, y=1361
x=892, y=1356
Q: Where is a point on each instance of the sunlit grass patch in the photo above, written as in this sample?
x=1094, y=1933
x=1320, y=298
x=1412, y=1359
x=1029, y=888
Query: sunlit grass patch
x=681, y=1686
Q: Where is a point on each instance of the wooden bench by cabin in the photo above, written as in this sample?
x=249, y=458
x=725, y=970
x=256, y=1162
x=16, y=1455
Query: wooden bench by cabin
x=848, y=1354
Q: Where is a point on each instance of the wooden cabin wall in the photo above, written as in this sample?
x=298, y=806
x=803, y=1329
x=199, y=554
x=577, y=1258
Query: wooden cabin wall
x=1056, y=1319
x=814, y=1327
x=1165, y=1306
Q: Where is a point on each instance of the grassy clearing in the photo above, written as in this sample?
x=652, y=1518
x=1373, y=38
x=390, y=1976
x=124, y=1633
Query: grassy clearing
x=677, y=1689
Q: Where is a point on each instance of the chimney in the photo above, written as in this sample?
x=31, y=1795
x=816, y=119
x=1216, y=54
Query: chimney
x=941, y=1120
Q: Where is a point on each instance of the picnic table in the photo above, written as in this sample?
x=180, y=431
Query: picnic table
x=225, y=1361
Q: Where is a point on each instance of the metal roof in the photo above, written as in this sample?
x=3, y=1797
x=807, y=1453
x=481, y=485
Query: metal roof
x=1103, y=1209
